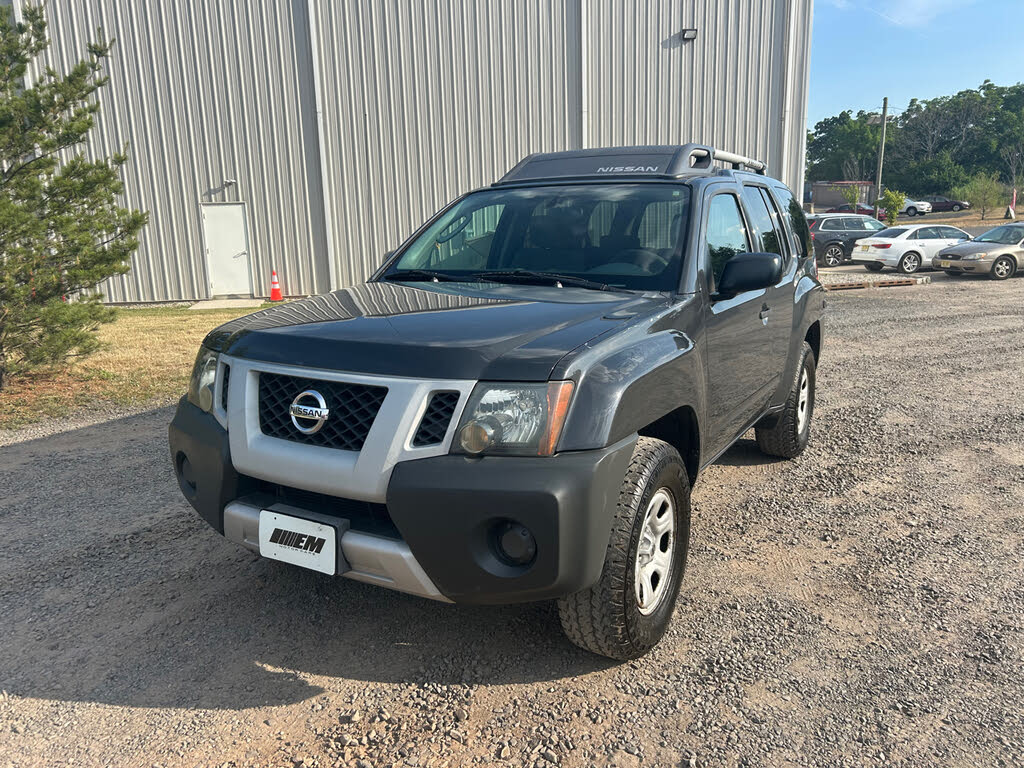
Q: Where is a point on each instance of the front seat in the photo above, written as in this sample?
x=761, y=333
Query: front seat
x=555, y=242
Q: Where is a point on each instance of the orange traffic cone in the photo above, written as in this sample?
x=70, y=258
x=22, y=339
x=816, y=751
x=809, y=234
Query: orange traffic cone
x=275, y=287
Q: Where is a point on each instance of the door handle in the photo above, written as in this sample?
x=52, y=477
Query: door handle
x=763, y=314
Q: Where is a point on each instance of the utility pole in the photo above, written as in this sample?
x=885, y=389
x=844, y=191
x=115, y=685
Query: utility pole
x=881, y=154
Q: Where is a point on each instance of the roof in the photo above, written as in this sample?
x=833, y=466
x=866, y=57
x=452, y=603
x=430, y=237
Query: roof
x=643, y=162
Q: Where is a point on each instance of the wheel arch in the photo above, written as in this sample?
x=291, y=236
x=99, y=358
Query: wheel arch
x=813, y=338
x=680, y=429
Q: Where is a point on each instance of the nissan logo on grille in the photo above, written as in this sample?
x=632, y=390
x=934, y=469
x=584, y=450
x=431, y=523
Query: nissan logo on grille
x=309, y=412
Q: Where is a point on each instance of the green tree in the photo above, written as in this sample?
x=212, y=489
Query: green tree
x=936, y=175
x=62, y=231
x=893, y=202
x=983, y=191
x=844, y=148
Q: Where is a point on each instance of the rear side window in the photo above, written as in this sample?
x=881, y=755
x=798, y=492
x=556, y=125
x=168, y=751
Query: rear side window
x=796, y=222
x=726, y=233
x=761, y=220
x=892, y=232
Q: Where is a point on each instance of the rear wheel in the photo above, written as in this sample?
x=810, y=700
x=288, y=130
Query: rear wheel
x=1003, y=268
x=788, y=436
x=834, y=255
x=627, y=611
x=910, y=263
x=874, y=266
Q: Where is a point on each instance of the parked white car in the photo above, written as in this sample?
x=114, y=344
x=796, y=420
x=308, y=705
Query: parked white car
x=916, y=207
x=907, y=248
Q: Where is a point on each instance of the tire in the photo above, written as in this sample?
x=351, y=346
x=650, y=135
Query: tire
x=833, y=255
x=609, y=618
x=911, y=211
x=874, y=266
x=910, y=263
x=792, y=429
x=1003, y=268
x=956, y=209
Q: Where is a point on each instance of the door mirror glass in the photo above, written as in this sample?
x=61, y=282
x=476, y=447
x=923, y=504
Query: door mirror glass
x=749, y=272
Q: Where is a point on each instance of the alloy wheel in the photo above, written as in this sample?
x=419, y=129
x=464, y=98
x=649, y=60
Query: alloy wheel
x=654, y=552
x=803, y=402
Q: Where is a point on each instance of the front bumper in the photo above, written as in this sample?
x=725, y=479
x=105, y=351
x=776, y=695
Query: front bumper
x=441, y=513
x=972, y=266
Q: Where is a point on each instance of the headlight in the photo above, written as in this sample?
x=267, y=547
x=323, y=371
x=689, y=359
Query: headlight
x=513, y=419
x=200, y=386
x=974, y=256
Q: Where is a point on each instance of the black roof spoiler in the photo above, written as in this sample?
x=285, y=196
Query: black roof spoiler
x=664, y=162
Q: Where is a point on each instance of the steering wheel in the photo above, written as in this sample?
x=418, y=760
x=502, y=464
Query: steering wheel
x=648, y=260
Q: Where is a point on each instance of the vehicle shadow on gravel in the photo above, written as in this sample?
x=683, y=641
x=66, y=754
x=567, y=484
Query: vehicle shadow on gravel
x=113, y=591
x=745, y=453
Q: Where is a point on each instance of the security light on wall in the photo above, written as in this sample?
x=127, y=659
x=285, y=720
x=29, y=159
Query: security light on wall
x=688, y=34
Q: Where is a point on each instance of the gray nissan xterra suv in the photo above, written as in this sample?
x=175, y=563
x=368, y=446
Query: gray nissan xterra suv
x=516, y=405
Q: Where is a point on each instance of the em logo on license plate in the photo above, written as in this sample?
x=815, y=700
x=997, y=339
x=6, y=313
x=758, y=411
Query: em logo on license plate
x=298, y=541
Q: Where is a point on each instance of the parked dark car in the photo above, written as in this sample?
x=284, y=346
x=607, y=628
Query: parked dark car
x=515, y=406
x=942, y=203
x=862, y=209
x=834, y=235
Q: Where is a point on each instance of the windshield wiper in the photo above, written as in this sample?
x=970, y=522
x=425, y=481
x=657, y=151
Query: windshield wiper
x=531, y=276
x=421, y=274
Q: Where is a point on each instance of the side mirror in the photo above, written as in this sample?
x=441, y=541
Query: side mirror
x=749, y=272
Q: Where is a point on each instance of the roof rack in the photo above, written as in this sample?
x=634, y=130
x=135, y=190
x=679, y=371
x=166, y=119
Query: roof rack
x=701, y=156
x=665, y=162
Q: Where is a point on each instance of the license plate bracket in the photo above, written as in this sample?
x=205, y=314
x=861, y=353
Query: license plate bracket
x=301, y=541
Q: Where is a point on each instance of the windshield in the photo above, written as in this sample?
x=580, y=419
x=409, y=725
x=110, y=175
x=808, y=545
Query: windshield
x=622, y=235
x=892, y=232
x=1002, y=235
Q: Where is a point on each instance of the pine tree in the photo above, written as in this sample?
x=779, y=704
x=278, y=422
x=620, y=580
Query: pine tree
x=61, y=229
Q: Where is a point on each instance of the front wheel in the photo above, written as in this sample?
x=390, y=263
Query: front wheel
x=834, y=256
x=911, y=211
x=789, y=435
x=956, y=209
x=910, y=263
x=627, y=611
x=1003, y=268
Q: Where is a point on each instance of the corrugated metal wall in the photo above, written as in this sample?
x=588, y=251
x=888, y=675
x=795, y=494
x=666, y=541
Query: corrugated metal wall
x=728, y=88
x=205, y=91
x=347, y=124
x=423, y=101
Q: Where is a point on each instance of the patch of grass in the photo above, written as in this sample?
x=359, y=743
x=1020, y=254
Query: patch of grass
x=146, y=358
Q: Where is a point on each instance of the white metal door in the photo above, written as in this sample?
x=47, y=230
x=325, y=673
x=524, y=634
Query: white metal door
x=227, y=249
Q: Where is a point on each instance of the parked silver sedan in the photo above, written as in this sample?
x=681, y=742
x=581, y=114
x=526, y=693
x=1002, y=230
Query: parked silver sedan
x=998, y=253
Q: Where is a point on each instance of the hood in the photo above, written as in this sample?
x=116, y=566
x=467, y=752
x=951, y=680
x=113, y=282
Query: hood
x=972, y=246
x=432, y=330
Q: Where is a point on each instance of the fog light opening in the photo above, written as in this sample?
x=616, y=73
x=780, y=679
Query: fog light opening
x=186, y=476
x=515, y=544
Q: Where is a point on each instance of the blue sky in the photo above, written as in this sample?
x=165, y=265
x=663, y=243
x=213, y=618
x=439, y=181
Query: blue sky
x=862, y=50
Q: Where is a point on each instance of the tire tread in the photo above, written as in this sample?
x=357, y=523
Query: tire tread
x=594, y=618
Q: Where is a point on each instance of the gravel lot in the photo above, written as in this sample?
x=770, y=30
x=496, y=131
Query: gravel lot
x=862, y=605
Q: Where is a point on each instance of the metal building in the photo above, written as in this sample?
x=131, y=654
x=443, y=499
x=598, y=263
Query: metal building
x=313, y=136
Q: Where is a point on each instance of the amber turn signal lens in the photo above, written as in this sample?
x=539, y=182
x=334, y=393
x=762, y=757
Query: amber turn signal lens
x=559, y=395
